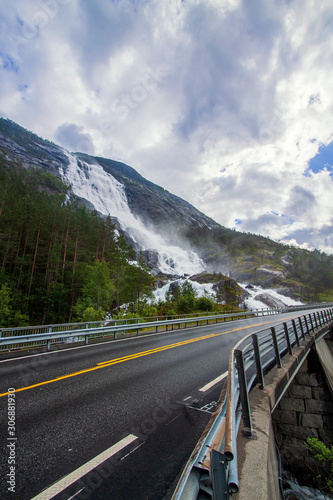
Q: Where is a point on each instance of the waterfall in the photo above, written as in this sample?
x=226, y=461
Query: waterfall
x=107, y=194
x=252, y=303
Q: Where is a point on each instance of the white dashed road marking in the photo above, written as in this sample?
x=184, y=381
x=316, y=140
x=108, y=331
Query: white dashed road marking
x=213, y=382
x=74, y=476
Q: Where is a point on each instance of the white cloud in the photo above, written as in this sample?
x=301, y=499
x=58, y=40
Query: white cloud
x=73, y=138
x=222, y=102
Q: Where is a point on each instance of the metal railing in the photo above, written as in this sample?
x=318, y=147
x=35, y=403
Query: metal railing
x=39, y=336
x=46, y=335
x=212, y=468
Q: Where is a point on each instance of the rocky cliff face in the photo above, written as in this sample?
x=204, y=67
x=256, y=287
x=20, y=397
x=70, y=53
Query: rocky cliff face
x=163, y=211
x=152, y=203
x=18, y=145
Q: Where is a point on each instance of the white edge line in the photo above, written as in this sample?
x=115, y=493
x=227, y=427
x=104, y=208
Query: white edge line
x=213, y=382
x=132, y=451
x=70, y=498
x=97, y=344
x=20, y=358
x=66, y=481
x=65, y=349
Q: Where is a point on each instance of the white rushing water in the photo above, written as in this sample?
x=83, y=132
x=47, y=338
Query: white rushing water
x=293, y=490
x=200, y=289
x=252, y=303
x=108, y=197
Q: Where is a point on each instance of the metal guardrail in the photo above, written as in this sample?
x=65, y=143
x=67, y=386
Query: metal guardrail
x=212, y=467
x=34, y=336
x=46, y=335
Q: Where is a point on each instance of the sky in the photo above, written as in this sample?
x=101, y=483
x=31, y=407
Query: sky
x=225, y=103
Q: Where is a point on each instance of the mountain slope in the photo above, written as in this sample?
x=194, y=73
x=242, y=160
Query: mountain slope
x=175, y=236
x=27, y=148
x=151, y=202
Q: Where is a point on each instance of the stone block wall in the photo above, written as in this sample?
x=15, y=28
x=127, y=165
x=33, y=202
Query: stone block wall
x=306, y=410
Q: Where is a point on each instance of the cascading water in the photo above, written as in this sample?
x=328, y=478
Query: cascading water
x=252, y=302
x=107, y=195
x=200, y=289
x=294, y=491
x=93, y=183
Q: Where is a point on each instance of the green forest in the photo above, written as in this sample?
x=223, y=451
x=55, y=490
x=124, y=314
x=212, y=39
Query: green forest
x=60, y=262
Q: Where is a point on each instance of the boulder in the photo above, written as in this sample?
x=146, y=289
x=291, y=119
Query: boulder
x=269, y=300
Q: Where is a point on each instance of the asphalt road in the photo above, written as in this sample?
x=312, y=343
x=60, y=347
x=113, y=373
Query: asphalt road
x=115, y=420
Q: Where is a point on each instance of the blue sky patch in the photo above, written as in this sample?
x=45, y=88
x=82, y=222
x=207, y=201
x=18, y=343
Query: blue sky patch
x=323, y=159
x=237, y=223
x=8, y=63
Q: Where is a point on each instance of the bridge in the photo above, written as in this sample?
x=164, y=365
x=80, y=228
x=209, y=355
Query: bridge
x=114, y=414
x=212, y=471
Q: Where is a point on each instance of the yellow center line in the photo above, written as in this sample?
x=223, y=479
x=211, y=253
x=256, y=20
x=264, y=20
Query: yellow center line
x=131, y=356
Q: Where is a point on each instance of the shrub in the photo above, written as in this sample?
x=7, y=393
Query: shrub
x=324, y=457
x=204, y=304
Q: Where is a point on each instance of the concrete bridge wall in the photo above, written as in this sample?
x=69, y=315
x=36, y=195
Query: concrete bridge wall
x=305, y=409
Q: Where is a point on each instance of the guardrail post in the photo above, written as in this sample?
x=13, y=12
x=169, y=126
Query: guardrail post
x=307, y=325
x=257, y=356
x=295, y=331
x=86, y=339
x=312, y=327
x=48, y=344
x=276, y=348
x=244, y=397
x=218, y=474
x=301, y=326
x=287, y=338
x=316, y=315
x=320, y=318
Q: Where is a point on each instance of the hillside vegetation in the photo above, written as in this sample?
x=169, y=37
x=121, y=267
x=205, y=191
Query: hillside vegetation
x=59, y=261
x=247, y=257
